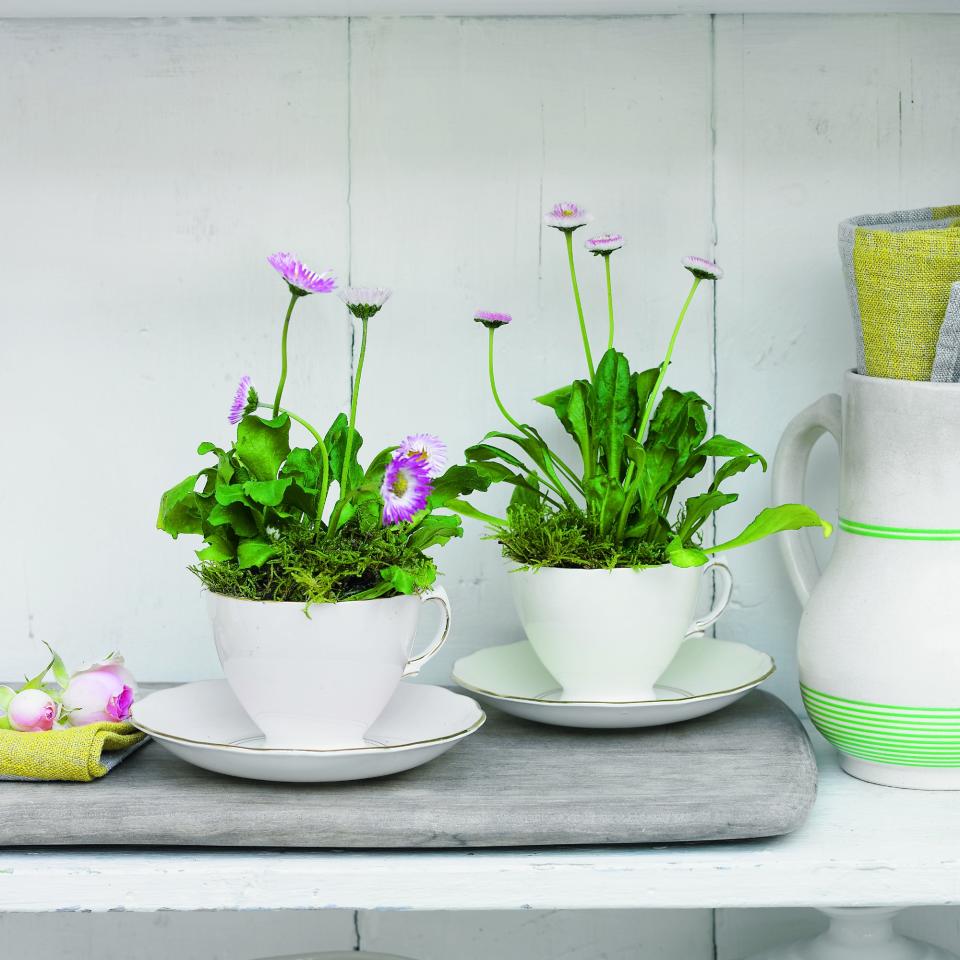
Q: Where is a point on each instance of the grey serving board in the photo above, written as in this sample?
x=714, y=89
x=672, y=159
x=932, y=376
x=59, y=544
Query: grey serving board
x=747, y=771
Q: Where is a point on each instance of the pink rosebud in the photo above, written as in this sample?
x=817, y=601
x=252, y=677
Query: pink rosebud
x=99, y=695
x=31, y=711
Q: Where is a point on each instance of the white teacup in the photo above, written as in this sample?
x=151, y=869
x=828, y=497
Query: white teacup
x=608, y=635
x=318, y=680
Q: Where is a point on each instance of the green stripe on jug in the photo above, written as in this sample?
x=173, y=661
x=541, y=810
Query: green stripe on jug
x=919, y=743
x=934, y=716
x=831, y=698
x=896, y=533
x=907, y=736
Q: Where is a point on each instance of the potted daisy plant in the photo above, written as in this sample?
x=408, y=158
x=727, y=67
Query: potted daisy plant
x=609, y=552
x=313, y=564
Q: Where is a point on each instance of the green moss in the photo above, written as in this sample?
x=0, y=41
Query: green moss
x=569, y=538
x=349, y=566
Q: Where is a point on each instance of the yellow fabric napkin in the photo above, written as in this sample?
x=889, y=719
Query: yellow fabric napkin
x=72, y=754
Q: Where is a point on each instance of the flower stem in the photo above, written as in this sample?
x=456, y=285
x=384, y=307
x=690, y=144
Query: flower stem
x=555, y=485
x=606, y=266
x=631, y=483
x=324, y=459
x=345, y=473
x=568, y=235
x=348, y=449
x=652, y=399
x=493, y=385
x=283, y=355
x=554, y=481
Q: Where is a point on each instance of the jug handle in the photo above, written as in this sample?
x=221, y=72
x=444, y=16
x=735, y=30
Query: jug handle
x=789, y=472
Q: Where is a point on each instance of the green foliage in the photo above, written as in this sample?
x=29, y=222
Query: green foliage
x=260, y=509
x=363, y=561
x=786, y=516
x=540, y=537
x=621, y=508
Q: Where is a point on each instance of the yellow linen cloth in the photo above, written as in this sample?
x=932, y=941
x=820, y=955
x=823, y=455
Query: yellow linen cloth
x=71, y=754
x=900, y=268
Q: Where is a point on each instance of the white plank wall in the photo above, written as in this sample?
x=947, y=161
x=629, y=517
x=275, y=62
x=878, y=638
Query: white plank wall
x=146, y=169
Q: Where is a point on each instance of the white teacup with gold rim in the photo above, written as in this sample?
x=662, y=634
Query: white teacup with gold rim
x=608, y=635
x=319, y=678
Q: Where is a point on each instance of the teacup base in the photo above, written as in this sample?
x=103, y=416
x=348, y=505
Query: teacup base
x=609, y=694
x=316, y=737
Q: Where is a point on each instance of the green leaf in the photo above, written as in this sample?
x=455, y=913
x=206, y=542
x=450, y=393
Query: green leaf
x=557, y=400
x=378, y=466
x=643, y=384
x=458, y=481
x=36, y=683
x=721, y=446
x=698, y=509
x=407, y=581
x=6, y=695
x=263, y=445
x=268, y=493
x=681, y=556
x=493, y=472
x=238, y=516
x=225, y=468
x=433, y=531
x=254, y=553
x=336, y=444
x=571, y=405
x=179, y=512
x=60, y=672
x=734, y=466
x=527, y=492
x=304, y=466
x=578, y=419
x=220, y=548
x=468, y=510
x=534, y=447
x=605, y=498
x=635, y=452
x=787, y=516
x=678, y=427
x=228, y=493
x=480, y=452
x=615, y=409
x=679, y=422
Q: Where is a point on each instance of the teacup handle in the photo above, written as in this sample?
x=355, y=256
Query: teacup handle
x=723, y=598
x=440, y=595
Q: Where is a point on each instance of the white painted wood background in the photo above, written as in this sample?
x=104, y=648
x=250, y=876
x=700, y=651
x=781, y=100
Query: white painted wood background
x=147, y=168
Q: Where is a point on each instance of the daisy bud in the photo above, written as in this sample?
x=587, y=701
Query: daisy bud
x=702, y=268
x=567, y=216
x=491, y=319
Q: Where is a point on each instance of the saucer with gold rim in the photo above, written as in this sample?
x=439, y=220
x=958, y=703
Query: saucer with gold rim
x=706, y=675
x=204, y=724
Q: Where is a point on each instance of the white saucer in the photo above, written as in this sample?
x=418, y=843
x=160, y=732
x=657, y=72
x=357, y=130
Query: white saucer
x=204, y=724
x=705, y=675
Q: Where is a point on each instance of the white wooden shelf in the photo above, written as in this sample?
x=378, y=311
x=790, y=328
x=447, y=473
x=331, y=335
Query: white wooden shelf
x=863, y=845
x=453, y=8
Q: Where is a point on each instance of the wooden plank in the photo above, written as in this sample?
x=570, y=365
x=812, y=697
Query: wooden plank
x=846, y=854
x=513, y=784
x=453, y=8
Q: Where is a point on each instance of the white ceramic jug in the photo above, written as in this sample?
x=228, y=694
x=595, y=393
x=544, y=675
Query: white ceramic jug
x=878, y=646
